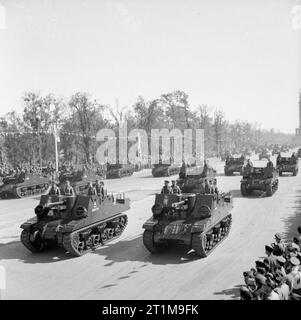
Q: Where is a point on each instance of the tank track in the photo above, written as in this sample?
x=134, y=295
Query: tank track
x=204, y=243
x=98, y=235
x=30, y=245
x=27, y=191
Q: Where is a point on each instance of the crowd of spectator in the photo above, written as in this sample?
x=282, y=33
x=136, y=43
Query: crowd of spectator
x=277, y=276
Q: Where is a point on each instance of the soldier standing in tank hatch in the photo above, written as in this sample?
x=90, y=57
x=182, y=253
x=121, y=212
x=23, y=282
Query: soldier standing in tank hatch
x=91, y=190
x=166, y=188
x=54, y=191
x=68, y=189
x=175, y=188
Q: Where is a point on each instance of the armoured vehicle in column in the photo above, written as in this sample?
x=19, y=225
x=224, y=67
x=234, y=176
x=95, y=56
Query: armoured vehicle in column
x=259, y=178
x=287, y=164
x=198, y=221
x=23, y=185
x=119, y=170
x=234, y=164
x=78, y=224
x=264, y=154
x=165, y=170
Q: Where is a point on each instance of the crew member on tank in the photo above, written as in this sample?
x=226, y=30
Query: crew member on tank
x=215, y=188
x=99, y=188
x=207, y=187
x=249, y=163
x=175, y=188
x=270, y=163
x=69, y=191
x=91, y=190
x=183, y=171
x=166, y=188
x=54, y=191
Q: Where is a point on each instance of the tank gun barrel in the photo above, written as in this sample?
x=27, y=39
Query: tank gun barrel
x=52, y=204
x=178, y=204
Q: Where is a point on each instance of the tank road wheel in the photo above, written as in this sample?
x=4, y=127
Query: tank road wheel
x=32, y=242
x=73, y=244
x=149, y=243
x=269, y=190
x=199, y=243
x=243, y=190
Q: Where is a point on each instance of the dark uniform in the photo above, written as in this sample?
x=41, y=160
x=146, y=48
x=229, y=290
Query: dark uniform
x=175, y=188
x=99, y=190
x=54, y=191
x=167, y=188
x=207, y=187
x=91, y=191
x=69, y=191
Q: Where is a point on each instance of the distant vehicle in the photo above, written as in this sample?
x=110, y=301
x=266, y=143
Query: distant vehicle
x=119, y=170
x=264, y=154
x=287, y=164
x=234, y=164
x=165, y=170
x=78, y=224
x=225, y=155
x=276, y=150
x=198, y=221
x=23, y=185
x=299, y=153
x=259, y=178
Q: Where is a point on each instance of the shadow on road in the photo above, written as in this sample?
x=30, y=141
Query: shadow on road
x=15, y=250
x=236, y=193
x=134, y=250
x=233, y=292
x=292, y=222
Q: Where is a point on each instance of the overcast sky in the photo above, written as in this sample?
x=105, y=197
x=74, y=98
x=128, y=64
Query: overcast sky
x=241, y=56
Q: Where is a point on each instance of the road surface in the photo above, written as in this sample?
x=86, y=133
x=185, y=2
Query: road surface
x=124, y=269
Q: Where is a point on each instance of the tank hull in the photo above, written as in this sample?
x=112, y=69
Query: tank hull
x=31, y=186
x=201, y=226
x=79, y=224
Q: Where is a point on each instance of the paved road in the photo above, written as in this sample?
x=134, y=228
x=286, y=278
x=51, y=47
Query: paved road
x=124, y=269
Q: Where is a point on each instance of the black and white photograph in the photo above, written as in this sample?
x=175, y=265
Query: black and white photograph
x=149, y=151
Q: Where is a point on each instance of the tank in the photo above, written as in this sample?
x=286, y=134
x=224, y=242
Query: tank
x=264, y=154
x=287, y=164
x=234, y=164
x=259, y=178
x=23, y=185
x=78, y=224
x=198, y=221
x=119, y=170
x=165, y=170
x=79, y=180
x=192, y=181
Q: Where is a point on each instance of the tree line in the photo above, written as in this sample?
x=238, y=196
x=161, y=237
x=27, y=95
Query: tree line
x=27, y=137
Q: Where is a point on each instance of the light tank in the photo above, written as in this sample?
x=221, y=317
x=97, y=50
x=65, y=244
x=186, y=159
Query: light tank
x=119, y=170
x=234, y=164
x=259, y=178
x=78, y=224
x=23, y=185
x=196, y=220
x=165, y=170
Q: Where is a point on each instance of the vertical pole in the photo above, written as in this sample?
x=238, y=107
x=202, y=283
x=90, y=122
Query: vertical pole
x=56, y=150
